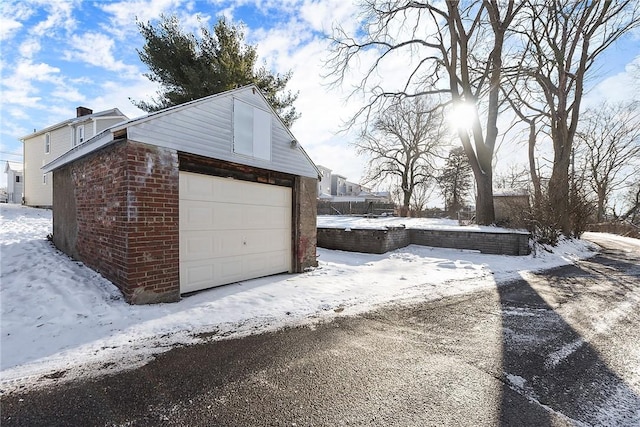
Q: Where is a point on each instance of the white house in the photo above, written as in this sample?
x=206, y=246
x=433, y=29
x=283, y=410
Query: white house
x=324, y=183
x=15, y=183
x=43, y=146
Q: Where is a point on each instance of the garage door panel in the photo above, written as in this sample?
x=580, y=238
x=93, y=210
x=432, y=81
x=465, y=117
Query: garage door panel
x=208, y=188
x=210, y=244
x=264, y=241
x=232, y=230
x=202, y=215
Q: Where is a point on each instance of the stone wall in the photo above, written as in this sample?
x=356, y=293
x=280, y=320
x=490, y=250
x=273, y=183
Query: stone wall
x=304, y=229
x=381, y=241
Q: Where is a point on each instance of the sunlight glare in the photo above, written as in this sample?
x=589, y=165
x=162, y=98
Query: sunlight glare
x=462, y=116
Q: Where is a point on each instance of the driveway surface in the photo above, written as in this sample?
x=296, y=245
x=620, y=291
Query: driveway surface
x=559, y=348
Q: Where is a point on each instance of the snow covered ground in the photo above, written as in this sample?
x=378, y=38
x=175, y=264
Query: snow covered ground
x=62, y=319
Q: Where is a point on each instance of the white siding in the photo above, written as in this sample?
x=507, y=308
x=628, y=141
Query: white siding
x=206, y=128
x=102, y=124
x=35, y=192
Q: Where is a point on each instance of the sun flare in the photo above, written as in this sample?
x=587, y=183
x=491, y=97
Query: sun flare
x=462, y=115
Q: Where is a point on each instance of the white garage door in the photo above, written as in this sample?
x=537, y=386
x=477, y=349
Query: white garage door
x=231, y=230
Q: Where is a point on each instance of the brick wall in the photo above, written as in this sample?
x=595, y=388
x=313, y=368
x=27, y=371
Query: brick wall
x=124, y=219
x=151, y=221
x=381, y=241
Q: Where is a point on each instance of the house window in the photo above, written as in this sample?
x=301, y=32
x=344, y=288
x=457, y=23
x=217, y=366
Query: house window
x=17, y=178
x=251, y=131
x=44, y=178
x=47, y=143
x=79, y=135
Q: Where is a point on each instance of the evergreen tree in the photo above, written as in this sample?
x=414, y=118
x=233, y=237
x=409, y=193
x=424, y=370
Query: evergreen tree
x=455, y=180
x=189, y=67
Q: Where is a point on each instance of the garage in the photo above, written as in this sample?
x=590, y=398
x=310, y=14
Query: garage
x=199, y=195
x=231, y=230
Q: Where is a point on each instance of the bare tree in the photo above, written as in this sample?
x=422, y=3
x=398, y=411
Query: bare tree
x=608, y=138
x=454, y=48
x=419, y=199
x=515, y=177
x=562, y=39
x=632, y=201
x=455, y=180
x=401, y=144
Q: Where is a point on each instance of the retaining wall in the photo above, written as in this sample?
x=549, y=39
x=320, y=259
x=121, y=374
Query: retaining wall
x=379, y=241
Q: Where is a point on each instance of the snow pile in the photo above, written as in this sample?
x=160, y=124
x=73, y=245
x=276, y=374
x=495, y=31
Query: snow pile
x=380, y=223
x=60, y=318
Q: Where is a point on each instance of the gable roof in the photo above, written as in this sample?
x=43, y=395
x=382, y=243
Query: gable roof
x=203, y=127
x=113, y=112
x=13, y=166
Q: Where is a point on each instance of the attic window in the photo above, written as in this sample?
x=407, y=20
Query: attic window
x=251, y=131
x=47, y=143
x=79, y=135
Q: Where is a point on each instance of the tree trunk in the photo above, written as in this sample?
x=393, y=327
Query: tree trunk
x=559, y=192
x=406, y=202
x=485, y=214
x=535, y=179
x=601, y=202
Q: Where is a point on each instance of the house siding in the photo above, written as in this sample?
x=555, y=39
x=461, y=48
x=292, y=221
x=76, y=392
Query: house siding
x=35, y=192
x=62, y=136
x=205, y=128
x=124, y=218
x=102, y=124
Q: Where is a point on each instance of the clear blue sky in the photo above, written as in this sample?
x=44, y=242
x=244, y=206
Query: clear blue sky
x=57, y=55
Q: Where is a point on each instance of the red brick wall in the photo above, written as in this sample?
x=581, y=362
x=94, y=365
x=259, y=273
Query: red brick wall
x=127, y=219
x=152, y=224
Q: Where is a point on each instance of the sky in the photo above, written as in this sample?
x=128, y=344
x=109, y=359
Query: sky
x=58, y=55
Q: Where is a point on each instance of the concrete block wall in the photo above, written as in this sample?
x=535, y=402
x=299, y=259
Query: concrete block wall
x=363, y=240
x=381, y=241
x=485, y=242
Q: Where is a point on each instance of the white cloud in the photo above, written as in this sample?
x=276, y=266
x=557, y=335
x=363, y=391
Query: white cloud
x=30, y=47
x=124, y=14
x=59, y=16
x=96, y=49
x=624, y=86
x=324, y=14
x=8, y=27
x=11, y=15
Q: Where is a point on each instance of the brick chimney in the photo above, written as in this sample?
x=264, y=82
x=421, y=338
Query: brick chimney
x=83, y=111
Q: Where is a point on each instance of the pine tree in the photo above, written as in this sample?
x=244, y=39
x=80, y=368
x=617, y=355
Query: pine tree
x=189, y=67
x=455, y=180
